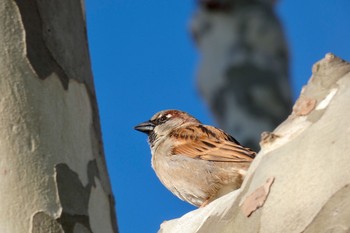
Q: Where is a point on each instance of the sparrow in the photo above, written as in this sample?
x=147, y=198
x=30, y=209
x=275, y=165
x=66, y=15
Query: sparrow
x=198, y=163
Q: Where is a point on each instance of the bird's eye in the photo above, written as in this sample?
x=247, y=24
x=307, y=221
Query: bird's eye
x=163, y=118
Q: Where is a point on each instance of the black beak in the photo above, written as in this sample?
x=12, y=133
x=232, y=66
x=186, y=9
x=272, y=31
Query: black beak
x=145, y=127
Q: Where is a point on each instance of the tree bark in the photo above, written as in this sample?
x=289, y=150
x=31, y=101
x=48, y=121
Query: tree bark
x=53, y=175
x=299, y=181
x=243, y=70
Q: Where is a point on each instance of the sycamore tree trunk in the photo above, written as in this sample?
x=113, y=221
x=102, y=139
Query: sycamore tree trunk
x=300, y=180
x=53, y=175
x=243, y=69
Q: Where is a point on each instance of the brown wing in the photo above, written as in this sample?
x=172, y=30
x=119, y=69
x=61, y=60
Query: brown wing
x=209, y=143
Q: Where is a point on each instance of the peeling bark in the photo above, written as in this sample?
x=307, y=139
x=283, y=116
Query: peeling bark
x=53, y=173
x=256, y=199
x=308, y=156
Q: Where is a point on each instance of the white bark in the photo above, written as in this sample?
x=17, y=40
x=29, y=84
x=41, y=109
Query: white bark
x=53, y=176
x=308, y=158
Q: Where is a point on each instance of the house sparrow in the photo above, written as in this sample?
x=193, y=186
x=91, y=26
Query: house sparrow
x=198, y=163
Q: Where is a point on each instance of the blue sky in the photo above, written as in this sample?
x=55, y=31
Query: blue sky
x=144, y=60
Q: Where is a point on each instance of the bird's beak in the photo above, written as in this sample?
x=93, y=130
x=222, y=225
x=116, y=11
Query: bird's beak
x=145, y=127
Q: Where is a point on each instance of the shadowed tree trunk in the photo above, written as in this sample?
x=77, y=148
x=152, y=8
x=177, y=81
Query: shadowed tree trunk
x=53, y=175
x=243, y=71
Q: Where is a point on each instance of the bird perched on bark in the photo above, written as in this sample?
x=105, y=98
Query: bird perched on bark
x=198, y=163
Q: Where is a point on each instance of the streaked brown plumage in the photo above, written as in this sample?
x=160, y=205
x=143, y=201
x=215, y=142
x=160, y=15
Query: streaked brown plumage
x=196, y=162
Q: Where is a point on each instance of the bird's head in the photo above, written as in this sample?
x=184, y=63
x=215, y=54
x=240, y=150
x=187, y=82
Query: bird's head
x=164, y=121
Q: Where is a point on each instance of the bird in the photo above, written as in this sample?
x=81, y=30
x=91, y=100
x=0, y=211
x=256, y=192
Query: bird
x=198, y=163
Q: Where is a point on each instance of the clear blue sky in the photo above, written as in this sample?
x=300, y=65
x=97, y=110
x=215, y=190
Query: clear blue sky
x=144, y=61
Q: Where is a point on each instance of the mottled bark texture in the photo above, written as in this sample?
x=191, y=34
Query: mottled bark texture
x=300, y=180
x=243, y=71
x=53, y=175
